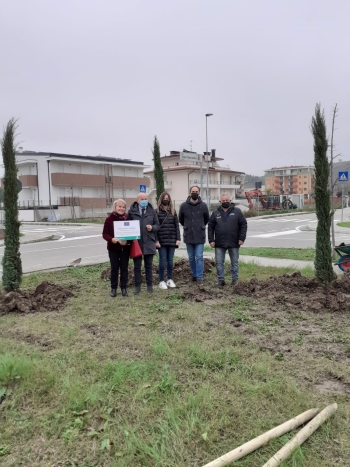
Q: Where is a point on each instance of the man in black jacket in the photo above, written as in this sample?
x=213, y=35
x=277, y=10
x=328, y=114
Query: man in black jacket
x=143, y=211
x=194, y=216
x=227, y=230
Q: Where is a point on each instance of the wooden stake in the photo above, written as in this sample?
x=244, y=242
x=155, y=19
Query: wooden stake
x=256, y=443
x=300, y=437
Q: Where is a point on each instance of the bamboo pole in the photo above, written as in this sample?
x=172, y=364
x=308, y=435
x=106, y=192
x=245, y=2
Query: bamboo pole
x=301, y=436
x=256, y=443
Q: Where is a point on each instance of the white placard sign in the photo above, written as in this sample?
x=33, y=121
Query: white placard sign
x=190, y=156
x=127, y=230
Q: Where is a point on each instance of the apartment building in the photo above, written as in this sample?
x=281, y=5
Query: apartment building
x=180, y=175
x=290, y=180
x=50, y=179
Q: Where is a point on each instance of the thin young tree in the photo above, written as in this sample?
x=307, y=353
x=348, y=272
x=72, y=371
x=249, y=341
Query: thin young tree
x=11, y=262
x=323, y=261
x=158, y=169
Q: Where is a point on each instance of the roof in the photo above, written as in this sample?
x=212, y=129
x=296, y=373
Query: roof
x=72, y=156
x=290, y=167
x=195, y=167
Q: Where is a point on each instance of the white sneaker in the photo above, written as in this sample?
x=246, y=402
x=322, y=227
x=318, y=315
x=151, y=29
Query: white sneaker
x=170, y=283
x=162, y=285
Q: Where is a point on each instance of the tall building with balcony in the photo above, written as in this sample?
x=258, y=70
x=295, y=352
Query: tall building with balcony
x=180, y=175
x=290, y=180
x=87, y=181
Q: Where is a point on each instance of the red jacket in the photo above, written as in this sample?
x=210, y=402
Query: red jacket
x=108, y=231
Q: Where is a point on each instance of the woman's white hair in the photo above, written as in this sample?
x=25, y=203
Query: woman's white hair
x=118, y=201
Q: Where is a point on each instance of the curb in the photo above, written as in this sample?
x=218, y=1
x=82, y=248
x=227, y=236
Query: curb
x=44, y=239
x=56, y=223
x=282, y=215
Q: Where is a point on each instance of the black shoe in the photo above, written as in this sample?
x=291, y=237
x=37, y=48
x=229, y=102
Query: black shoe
x=234, y=283
x=194, y=279
x=113, y=292
x=149, y=289
x=124, y=292
x=137, y=289
x=221, y=283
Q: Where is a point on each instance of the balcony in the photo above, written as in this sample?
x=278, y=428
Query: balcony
x=216, y=184
x=67, y=179
x=82, y=180
x=28, y=180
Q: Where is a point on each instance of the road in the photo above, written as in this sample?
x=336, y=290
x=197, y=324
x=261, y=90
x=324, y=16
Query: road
x=86, y=242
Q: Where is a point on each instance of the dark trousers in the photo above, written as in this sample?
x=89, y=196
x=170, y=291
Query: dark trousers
x=148, y=261
x=119, y=260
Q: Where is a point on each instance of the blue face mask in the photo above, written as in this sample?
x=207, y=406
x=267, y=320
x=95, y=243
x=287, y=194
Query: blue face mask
x=144, y=203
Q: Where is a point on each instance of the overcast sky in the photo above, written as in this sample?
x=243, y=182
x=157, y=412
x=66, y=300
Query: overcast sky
x=103, y=77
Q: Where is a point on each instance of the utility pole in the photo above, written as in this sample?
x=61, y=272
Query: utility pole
x=207, y=155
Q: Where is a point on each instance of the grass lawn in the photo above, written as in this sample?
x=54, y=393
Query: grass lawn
x=87, y=220
x=304, y=254
x=162, y=380
x=343, y=224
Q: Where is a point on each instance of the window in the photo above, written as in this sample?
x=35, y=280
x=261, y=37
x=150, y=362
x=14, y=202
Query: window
x=305, y=183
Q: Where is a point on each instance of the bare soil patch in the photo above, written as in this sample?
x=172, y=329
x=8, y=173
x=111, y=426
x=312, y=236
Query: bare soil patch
x=181, y=271
x=46, y=297
x=303, y=292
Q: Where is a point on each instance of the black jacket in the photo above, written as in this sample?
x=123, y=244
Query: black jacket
x=194, y=217
x=148, y=239
x=227, y=230
x=169, y=230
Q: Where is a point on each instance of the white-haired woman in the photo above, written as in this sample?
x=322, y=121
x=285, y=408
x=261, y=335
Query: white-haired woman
x=118, y=250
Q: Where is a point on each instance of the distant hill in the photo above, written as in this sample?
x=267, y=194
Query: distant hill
x=249, y=180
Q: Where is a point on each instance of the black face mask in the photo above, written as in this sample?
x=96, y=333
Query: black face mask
x=225, y=204
x=165, y=202
x=194, y=195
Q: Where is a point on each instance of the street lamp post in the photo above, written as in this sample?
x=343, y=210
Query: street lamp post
x=207, y=154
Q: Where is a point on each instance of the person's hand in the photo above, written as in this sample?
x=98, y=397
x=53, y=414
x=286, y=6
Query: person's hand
x=178, y=242
x=157, y=245
x=149, y=228
x=212, y=244
x=115, y=240
x=123, y=242
x=240, y=242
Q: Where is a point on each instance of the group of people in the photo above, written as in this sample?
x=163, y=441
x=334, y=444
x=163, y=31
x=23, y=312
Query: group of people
x=159, y=230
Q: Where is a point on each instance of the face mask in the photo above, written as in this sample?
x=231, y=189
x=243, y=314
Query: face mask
x=144, y=203
x=165, y=202
x=225, y=204
x=194, y=195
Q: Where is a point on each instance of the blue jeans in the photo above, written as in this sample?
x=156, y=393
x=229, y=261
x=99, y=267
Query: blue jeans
x=195, y=255
x=220, y=261
x=166, y=255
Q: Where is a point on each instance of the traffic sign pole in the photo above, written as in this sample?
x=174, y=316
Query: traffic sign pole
x=342, y=203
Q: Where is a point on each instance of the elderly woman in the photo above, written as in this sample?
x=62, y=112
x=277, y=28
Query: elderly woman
x=118, y=250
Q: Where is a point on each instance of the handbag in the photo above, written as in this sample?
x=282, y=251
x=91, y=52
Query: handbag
x=135, y=249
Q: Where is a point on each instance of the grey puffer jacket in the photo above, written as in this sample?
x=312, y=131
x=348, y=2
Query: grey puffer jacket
x=148, y=239
x=194, y=217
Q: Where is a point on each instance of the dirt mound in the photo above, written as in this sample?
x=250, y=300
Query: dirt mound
x=181, y=271
x=46, y=297
x=296, y=290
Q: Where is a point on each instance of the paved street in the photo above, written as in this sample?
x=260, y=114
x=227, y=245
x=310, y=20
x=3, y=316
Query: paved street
x=85, y=241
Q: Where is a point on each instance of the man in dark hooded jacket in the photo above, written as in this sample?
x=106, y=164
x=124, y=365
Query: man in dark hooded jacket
x=227, y=230
x=143, y=211
x=194, y=217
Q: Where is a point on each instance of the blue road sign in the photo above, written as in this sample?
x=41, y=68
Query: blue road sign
x=343, y=176
x=142, y=188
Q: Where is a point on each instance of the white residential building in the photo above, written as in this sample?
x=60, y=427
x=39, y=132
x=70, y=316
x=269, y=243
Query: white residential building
x=180, y=175
x=51, y=179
